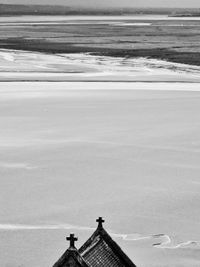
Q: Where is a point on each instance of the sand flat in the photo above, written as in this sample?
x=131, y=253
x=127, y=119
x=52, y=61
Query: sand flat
x=127, y=148
x=34, y=66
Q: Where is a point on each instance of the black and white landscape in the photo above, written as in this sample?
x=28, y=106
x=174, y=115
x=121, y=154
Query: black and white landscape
x=99, y=116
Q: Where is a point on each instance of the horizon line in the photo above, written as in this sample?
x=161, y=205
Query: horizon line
x=102, y=8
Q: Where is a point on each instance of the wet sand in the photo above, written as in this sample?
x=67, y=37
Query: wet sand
x=28, y=66
x=172, y=39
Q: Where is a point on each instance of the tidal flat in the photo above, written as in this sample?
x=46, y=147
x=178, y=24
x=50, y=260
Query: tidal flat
x=159, y=37
x=99, y=117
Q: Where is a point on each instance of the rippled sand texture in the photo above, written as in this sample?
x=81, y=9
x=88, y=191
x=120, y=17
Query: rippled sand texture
x=69, y=154
x=32, y=66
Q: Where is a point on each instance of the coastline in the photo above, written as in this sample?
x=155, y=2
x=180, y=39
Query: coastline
x=189, y=58
x=17, y=65
x=154, y=37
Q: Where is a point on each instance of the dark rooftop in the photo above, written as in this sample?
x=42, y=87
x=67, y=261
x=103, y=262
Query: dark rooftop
x=71, y=257
x=100, y=250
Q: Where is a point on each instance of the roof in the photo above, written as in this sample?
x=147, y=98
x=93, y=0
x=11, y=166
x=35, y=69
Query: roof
x=101, y=250
x=71, y=257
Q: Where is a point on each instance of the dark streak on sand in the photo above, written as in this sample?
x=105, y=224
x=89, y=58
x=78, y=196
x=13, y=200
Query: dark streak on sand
x=192, y=58
x=175, y=41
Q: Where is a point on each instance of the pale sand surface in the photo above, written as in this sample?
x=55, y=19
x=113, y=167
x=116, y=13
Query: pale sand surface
x=69, y=153
x=50, y=19
x=33, y=66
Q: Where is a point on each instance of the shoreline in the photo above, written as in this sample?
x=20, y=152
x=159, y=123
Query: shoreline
x=188, y=58
x=26, y=66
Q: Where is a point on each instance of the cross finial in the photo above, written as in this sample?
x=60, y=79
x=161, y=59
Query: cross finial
x=100, y=221
x=72, y=239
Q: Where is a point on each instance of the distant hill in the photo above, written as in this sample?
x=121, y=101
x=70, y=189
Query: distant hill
x=17, y=10
x=32, y=10
x=186, y=13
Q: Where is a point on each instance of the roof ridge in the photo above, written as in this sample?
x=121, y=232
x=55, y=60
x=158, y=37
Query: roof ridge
x=86, y=244
x=71, y=252
x=103, y=234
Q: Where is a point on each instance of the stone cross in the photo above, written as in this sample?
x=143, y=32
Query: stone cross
x=100, y=221
x=72, y=239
